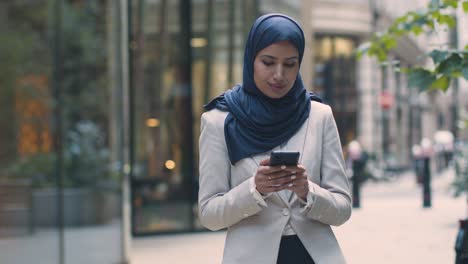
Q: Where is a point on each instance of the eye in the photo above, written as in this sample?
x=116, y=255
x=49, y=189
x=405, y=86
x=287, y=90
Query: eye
x=268, y=63
x=290, y=65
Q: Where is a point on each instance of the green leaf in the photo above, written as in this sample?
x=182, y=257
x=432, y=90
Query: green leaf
x=465, y=71
x=451, y=64
x=452, y=3
x=390, y=43
x=447, y=19
x=436, y=14
x=466, y=47
x=405, y=70
x=362, y=49
x=442, y=83
x=381, y=55
x=421, y=20
x=417, y=30
x=465, y=6
x=430, y=24
x=420, y=78
x=456, y=74
x=401, y=19
x=438, y=55
x=378, y=51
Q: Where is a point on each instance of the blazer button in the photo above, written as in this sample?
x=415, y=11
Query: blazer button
x=285, y=211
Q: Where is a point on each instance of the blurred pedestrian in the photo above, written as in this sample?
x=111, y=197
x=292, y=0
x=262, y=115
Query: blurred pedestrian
x=273, y=214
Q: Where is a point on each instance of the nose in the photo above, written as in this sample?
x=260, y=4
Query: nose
x=279, y=73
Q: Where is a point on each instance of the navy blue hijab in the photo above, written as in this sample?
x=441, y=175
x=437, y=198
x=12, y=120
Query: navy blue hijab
x=257, y=123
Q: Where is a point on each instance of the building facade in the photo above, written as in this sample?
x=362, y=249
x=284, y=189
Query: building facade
x=373, y=103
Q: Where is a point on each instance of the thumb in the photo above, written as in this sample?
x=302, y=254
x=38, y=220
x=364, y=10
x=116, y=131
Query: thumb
x=265, y=162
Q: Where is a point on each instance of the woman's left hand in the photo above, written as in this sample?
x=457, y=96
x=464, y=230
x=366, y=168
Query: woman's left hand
x=300, y=185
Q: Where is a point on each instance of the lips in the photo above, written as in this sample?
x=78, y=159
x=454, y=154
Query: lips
x=276, y=86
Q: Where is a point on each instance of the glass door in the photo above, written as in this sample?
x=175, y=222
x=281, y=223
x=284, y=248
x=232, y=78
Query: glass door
x=162, y=186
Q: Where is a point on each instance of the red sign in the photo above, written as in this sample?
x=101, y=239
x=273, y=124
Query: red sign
x=386, y=100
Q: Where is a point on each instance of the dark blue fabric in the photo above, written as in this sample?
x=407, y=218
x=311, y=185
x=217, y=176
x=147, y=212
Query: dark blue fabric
x=257, y=123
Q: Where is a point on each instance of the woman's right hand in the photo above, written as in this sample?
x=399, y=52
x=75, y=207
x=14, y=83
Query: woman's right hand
x=273, y=178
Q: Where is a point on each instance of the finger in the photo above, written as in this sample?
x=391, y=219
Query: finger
x=302, y=176
x=297, y=169
x=279, y=188
x=301, y=184
x=270, y=169
x=281, y=174
x=261, y=179
x=264, y=187
x=265, y=162
x=298, y=189
x=283, y=180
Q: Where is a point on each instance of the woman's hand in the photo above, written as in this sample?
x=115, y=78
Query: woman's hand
x=276, y=178
x=301, y=183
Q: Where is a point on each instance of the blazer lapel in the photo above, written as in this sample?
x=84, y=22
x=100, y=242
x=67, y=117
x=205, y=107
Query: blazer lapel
x=285, y=196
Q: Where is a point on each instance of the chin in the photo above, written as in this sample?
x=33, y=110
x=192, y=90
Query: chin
x=275, y=94
x=278, y=94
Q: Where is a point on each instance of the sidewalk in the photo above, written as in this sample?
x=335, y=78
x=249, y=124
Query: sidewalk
x=390, y=227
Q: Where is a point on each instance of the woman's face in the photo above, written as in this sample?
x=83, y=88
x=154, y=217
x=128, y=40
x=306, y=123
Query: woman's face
x=276, y=68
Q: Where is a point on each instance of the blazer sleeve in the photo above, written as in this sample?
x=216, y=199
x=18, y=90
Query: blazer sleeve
x=331, y=200
x=220, y=206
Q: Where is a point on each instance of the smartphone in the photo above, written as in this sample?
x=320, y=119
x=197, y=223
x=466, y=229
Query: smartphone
x=288, y=158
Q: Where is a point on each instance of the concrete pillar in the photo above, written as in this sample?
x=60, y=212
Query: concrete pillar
x=307, y=68
x=368, y=82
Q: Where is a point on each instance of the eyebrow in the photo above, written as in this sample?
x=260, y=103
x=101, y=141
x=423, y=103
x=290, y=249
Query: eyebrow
x=273, y=57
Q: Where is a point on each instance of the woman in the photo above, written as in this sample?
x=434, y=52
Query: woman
x=273, y=214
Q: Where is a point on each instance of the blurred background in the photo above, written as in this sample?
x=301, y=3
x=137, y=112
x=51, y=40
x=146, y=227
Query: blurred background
x=100, y=105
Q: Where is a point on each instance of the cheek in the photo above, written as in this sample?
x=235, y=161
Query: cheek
x=260, y=72
x=291, y=74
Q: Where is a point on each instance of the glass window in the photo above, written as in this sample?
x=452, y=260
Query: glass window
x=180, y=62
x=26, y=156
x=90, y=85
x=335, y=81
x=52, y=200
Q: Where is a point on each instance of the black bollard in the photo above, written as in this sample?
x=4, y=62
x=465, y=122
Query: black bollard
x=426, y=182
x=358, y=169
x=418, y=169
x=356, y=194
x=461, y=243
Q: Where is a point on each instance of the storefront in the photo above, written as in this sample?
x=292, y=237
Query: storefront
x=182, y=54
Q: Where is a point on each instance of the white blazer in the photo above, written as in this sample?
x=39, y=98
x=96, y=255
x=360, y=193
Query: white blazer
x=254, y=231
